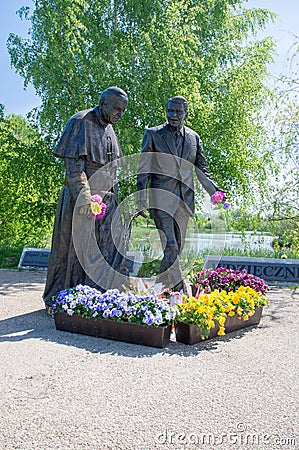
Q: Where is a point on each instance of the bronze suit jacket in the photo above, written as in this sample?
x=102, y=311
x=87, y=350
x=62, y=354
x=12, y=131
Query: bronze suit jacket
x=168, y=171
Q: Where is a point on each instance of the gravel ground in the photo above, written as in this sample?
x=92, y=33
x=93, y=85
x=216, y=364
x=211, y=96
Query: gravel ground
x=65, y=391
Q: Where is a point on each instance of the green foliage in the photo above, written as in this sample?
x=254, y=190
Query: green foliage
x=283, y=202
x=149, y=269
x=9, y=256
x=156, y=49
x=30, y=181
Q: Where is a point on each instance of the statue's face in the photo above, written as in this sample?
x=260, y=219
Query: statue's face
x=113, y=109
x=175, y=114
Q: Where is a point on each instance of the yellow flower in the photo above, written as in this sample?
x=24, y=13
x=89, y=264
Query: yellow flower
x=236, y=299
x=209, y=310
x=245, y=318
x=211, y=323
x=231, y=313
x=96, y=208
x=221, y=320
x=208, y=300
x=221, y=331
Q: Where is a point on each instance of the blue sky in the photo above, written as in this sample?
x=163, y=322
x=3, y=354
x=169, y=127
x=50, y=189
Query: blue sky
x=19, y=101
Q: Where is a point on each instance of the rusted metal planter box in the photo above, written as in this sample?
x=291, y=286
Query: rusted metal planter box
x=110, y=329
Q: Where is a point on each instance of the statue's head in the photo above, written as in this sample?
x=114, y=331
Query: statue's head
x=176, y=111
x=113, y=103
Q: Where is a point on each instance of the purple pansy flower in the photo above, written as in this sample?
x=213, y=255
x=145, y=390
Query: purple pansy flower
x=115, y=305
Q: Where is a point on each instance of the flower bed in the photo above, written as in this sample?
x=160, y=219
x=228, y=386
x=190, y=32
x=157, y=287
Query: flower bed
x=192, y=334
x=211, y=313
x=147, y=319
x=85, y=301
x=116, y=315
x=208, y=280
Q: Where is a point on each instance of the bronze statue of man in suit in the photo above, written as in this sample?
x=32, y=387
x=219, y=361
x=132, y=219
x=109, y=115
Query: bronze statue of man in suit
x=169, y=154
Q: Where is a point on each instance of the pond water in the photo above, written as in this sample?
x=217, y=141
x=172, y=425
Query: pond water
x=201, y=241
x=195, y=243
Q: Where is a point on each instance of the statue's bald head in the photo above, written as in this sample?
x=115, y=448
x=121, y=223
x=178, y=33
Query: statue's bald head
x=112, y=105
x=112, y=91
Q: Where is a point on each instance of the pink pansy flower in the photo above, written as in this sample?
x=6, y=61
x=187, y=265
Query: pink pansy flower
x=218, y=197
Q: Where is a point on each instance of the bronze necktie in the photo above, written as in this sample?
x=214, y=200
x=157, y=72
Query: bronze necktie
x=178, y=142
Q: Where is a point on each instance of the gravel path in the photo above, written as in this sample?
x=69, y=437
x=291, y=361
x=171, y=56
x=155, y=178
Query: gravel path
x=64, y=391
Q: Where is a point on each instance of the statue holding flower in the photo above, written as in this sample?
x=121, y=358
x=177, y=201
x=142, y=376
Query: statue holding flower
x=170, y=153
x=88, y=204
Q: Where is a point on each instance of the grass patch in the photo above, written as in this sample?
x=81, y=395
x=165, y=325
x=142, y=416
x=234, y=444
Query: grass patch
x=10, y=256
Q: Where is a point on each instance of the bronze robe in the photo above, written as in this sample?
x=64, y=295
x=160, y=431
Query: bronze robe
x=86, y=250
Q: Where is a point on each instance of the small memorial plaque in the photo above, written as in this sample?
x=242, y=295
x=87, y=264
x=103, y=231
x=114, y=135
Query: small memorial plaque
x=34, y=257
x=278, y=271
